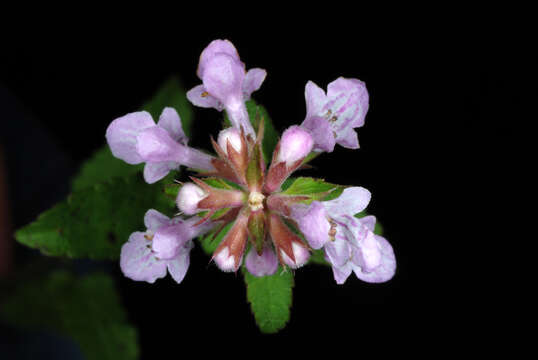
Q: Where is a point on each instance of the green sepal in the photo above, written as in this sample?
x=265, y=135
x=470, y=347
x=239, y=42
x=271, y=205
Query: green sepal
x=220, y=183
x=256, y=230
x=255, y=170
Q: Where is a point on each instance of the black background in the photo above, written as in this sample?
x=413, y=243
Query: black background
x=439, y=104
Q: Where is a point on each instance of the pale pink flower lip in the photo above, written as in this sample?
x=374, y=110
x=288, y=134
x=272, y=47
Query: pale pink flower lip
x=165, y=245
x=331, y=118
x=135, y=138
x=226, y=83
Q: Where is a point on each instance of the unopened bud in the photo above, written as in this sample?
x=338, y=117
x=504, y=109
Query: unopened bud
x=296, y=144
x=188, y=198
x=225, y=261
x=300, y=253
x=232, y=135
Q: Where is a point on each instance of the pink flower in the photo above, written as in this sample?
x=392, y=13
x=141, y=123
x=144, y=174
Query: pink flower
x=226, y=84
x=165, y=245
x=135, y=138
x=331, y=117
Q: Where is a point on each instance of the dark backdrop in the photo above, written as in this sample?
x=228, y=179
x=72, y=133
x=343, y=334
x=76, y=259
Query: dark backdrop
x=437, y=101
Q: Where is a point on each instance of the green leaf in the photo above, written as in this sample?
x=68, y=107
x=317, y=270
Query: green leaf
x=270, y=137
x=315, y=189
x=270, y=299
x=96, y=221
x=171, y=94
x=220, y=183
x=86, y=309
x=102, y=165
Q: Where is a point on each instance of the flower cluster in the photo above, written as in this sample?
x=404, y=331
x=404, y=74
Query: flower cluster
x=235, y=187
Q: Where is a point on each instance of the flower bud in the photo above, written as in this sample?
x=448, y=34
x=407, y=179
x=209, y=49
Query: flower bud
x=300, y=253
x=232, y=135
x=225, y=261
x=188, y=198
x=296, y=144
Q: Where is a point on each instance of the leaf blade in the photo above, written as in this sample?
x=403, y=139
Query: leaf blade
x=86, y=309
x=95, y=222
x=270, y=299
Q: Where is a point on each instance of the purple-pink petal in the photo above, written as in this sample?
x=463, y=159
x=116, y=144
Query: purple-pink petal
x=215, y=47
x=263, y=265
x=354, y=103
x=387, y=267
x=368, y=253
x=321, y=132
x=223, y=78
x=313, y=222
x=348, y=139
x=315, y=100
x=171, y=122
x=199, y=96
x=348, y=102
x=121, y=135
x=155, y=145
x=253, y=81
x=368, y=221
x=153, y=220
x=178, y=266
x=137, y=261
x=168, y=240
x=341, y=273
x=154, y=172
x=352, y=201
x=338, y=252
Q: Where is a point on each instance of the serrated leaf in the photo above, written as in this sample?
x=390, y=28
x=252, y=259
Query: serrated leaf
x=270, y=137
x=96, y=221
x=171, y=94
x=316, y=189
x=102, y=165
x=86, y=309
x=270, y=299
